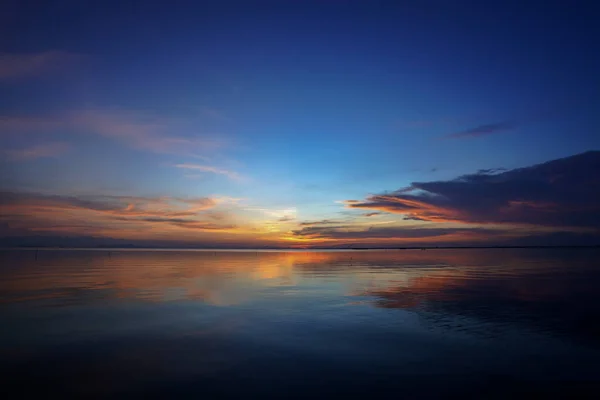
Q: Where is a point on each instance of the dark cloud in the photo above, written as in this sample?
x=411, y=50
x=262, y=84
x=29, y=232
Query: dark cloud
x=413, y=218
x=286, y=218
x=318, y=231
x=558, y=193
x=372, y=214
x=321, y=222
x=483, y=130
x=422, y=235
x=345, y=232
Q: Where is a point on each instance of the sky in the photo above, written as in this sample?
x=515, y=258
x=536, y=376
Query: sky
x=299, y=123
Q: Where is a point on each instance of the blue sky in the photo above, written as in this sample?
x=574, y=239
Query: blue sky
x=285, y=105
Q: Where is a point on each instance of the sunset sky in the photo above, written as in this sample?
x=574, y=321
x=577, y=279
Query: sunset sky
x=297, y=123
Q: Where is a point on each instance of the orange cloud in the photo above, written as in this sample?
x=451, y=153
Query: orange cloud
x=414, y=209
x=171, y=220
x=206, y=221
x=83, y=214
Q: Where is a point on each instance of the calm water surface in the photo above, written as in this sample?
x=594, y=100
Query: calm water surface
x=225, y=324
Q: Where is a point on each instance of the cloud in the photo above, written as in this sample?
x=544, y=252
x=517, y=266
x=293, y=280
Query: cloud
x=115, y=215
x=216, y=215
x=349, y=232
x=200, y=203
x=138, y=219
x=277, y=213
x=372, y=214
x=321, y=222
x=483, y=130
x=286, y=218
x=558, y=193
x=413, y=218
x=13, y=65
x=490, y=171
x=210, y=169
x=182, y=222
x=129, y=206
x=37, y=151
x=136, y=130
x=142, y=132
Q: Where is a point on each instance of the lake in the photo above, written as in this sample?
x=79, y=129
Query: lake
x=500, y=323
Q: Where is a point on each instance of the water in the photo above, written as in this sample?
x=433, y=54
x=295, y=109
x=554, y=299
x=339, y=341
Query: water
x=225, y=324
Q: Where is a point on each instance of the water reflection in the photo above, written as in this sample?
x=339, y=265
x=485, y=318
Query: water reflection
x=83, y=276
x=553, y=290
x=557, y=295
x=181, y=321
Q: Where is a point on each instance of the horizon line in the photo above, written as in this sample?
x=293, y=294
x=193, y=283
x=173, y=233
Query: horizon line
x=135, y=247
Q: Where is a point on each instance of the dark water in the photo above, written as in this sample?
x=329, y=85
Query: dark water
x=401, y=324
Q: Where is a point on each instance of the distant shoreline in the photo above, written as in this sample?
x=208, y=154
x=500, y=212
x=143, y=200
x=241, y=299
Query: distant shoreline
x=294, y=249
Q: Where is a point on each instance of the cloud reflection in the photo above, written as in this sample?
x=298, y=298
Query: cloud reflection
x=555, y=295
x=549, y=292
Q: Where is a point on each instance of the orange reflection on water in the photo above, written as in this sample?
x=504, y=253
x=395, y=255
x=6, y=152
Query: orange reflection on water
x=218, y=277
x=398, y=278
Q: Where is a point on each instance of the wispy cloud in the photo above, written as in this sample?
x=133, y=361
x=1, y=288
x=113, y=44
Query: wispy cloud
x=484, y=130
x=143, y=132
x=136, y=130
x=15, y=65
x=556, y=110
x=128, y=206
x=210, y=169
x=187, y=223
x=108, y=215
x=46, y=150
x=290, y=212
x=346, y=201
